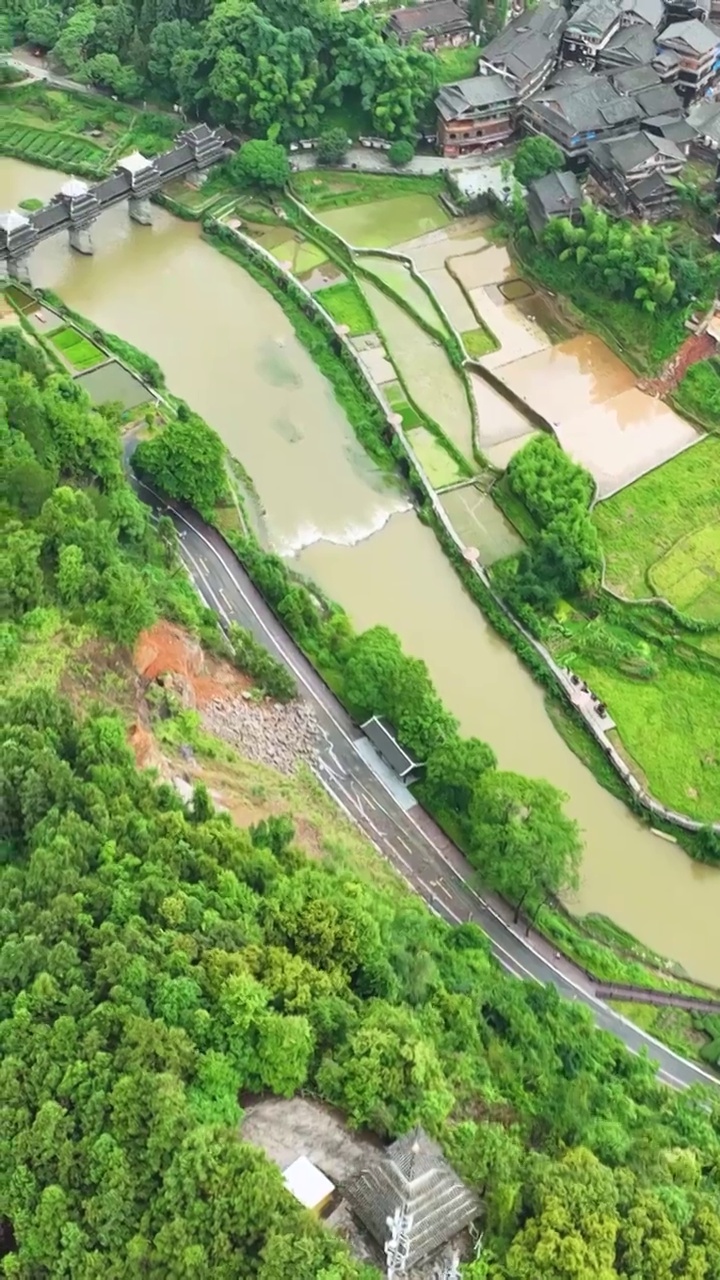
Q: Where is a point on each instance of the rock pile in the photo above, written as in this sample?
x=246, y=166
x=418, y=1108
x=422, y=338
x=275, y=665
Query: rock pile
x=266, y=732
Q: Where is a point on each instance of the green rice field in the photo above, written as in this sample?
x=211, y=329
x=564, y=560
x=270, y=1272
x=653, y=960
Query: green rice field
x=381, y=224
x=668, y=726
x=78, y=350
x=689, y=574
x=640, y=526
x=398, y=279
x=50, y=147
x=436, y=462
x=347, y=306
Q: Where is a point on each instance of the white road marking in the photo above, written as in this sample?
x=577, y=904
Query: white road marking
x=509, y=961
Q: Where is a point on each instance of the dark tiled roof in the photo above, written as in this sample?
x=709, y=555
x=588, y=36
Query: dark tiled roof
x=528, y=41
x=693, y=34
x=594, y=15
x=651, y=11
x=658, y=101
x=413, y=1173
x=384, y=740
x=635, y=79
x=588, y=107
x=655, y=184
x=629, y=45
x=672, y=127
x=50, y=216
x=438, y=15
x=478, y=91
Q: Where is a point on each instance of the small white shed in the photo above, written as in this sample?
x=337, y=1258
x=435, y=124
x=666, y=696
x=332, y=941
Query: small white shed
x=308, y=1184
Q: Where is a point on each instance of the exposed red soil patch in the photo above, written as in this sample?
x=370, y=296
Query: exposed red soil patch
x=698, y=346
x=165, y=648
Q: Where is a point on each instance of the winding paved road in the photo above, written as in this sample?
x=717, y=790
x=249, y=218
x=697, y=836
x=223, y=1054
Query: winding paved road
x=429, y=863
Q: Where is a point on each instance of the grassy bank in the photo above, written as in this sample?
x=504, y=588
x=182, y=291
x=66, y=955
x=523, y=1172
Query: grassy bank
x=697, y=395
x=321, y=189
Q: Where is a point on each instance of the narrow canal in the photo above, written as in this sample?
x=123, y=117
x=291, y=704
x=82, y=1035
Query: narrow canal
x=228, y=350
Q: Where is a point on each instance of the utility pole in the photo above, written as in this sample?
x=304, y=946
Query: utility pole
x=397, y=1246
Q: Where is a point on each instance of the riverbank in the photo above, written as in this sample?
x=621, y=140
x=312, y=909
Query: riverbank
x=605, y=962
x=670, y=809
x=367, y=560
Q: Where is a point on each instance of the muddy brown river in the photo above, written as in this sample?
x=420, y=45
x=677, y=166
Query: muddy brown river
x=227, y=348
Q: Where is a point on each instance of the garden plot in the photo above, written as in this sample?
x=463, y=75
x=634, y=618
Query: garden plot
x=113, y=382
x=599, y=416
x=77, y=350
x=481, y=524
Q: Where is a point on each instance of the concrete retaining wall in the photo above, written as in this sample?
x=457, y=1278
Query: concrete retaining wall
x=561, y=676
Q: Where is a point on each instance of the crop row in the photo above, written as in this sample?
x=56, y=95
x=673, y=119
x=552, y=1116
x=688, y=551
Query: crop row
x=38, y=142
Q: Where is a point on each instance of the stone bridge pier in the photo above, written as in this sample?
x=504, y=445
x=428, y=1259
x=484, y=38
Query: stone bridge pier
x=77, y=205
x=82, y=206
x=144, y=179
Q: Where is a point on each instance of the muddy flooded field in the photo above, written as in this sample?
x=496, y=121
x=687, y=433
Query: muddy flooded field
x=599, y=415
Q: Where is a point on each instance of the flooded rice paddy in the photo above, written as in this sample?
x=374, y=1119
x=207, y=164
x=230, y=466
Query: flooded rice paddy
x=396, y=276
x=383, y=223
x=423, y=363
x=599, y=415
x=227, y=349
x=481, y=524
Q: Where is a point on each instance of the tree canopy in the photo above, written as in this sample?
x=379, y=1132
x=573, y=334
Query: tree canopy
x=157, y=961
x=267, y=69
x=536, y=156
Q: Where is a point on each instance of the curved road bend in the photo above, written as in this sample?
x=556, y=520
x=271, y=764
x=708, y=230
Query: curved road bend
x=429, y=863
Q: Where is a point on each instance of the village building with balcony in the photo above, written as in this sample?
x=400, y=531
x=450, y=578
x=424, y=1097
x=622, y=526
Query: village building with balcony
x=589, y=29
x=697, y=49
x=474, y=115
x=526, y=52
x=576, y=115
x=441, y=24
x=633, y=175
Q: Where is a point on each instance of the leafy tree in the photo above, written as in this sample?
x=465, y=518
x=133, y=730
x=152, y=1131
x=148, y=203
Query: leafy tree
x=261, y=164
x=186, y=460
x=42, y=26
x=536, y=156
x=332, y=146
x=21, y=577
x=401, y=153
x=454, y=770
x=522, y=841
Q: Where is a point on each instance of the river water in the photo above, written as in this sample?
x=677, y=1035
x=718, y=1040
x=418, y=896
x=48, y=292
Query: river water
x=228, y=350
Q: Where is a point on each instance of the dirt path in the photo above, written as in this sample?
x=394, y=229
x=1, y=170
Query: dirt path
x=697, y=346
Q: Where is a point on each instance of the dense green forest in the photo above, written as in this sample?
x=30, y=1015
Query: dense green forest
x=156, y=961
x=264, y=68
